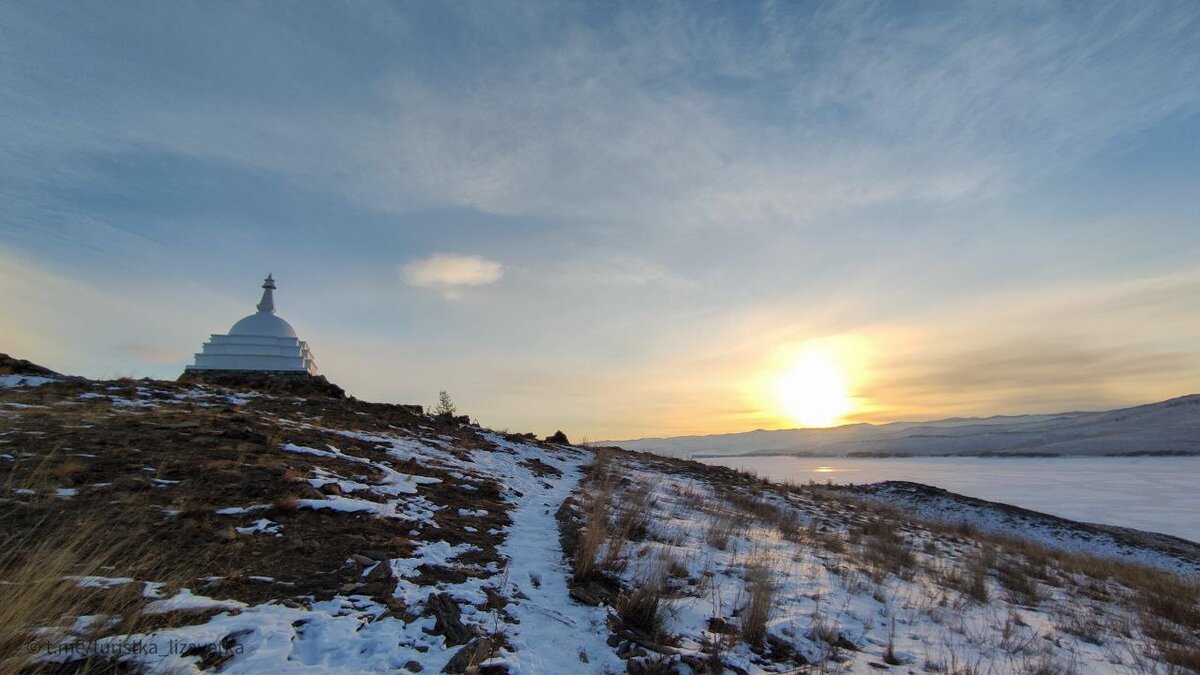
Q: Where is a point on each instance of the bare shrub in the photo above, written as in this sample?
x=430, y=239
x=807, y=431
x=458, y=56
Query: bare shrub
x=445, y=406
x=714, y=646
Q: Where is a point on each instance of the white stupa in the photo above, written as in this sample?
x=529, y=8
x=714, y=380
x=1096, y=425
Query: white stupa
x=259, y=342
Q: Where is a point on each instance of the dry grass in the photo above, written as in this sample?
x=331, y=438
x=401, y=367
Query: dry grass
x=689, y=497
x=1181, y=656
x=286, y=503
x=886, y=551
x=1083, y=621
x=968, y=576
x=631, y=526
x=640, y=607
x=40, y=595
x=595, y=532
x=977, y=574
x=1169, y=610
x=1167, y=605
x=1020, y=580
x=676, y=568
x=597, y=473
x=71, y=471
x=721, y=530
x=760, y=592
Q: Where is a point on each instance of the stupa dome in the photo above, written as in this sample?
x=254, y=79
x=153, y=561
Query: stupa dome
x=263, y=324
x=259, y=342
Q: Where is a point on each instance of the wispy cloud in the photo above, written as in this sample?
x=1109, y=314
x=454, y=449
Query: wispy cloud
x=449, y=273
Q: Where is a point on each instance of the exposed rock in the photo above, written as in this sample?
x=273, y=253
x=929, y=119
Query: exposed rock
x=475, y=652
x=558, y=437
x=570, y=522
x=380, y=572
x=541, y=469
x=331, y=489
x=781, y=650
x=296, y=383
x=14, y=366
x=594, y=593
x=448, y=621
x=718, y=625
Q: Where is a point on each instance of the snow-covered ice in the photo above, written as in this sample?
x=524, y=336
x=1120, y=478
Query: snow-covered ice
x=1156, y=494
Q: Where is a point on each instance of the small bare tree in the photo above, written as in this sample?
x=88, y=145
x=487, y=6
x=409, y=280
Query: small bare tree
x=444, y=406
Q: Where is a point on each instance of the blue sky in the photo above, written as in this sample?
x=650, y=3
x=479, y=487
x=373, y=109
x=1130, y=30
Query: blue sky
x=612, y=218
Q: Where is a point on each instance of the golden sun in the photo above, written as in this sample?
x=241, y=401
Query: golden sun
x=812, y=391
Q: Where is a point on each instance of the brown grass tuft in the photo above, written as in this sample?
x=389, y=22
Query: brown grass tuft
x=760, y=591
x=595, y=531
x=40, y=595
x=70, y=471
x=641, y=608
x=286, y=503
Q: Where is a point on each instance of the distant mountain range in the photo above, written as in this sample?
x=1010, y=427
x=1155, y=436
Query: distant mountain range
x=1168, y=427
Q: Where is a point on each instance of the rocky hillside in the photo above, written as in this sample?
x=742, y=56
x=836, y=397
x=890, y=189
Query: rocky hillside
x=180, y=527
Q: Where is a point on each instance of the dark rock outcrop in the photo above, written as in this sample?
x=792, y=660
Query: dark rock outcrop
x=268, y=381
x=14, y=366
x=448, y=619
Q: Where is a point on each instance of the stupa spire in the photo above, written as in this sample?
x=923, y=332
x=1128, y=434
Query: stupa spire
x=267, y=304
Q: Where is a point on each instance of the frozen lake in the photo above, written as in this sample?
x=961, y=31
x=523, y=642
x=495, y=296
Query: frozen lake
x=1158, y=494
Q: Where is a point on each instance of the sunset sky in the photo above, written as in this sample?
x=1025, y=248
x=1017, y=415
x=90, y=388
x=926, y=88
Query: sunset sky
x=620, y=220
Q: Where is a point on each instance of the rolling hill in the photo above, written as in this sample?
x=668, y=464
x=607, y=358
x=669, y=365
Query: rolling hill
x=1167, y=427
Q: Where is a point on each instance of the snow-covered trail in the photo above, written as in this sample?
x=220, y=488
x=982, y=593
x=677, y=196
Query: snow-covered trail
x=555, y=633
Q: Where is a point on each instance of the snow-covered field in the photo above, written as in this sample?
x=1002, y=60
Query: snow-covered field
x=1156, y=494
x=837, y=590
